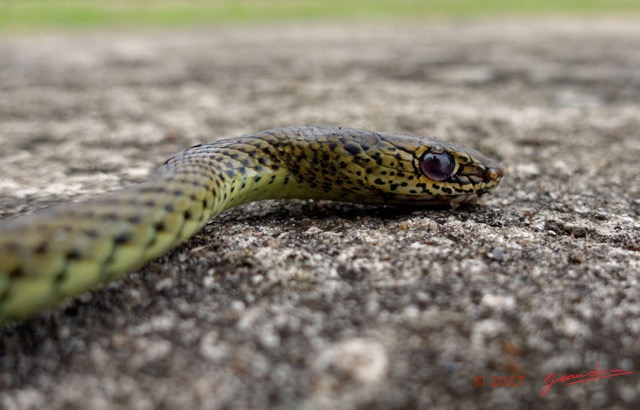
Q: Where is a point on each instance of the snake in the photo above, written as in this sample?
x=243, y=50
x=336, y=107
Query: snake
x=64, y=250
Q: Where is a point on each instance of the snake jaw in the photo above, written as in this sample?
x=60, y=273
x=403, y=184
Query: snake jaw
x=481, y=172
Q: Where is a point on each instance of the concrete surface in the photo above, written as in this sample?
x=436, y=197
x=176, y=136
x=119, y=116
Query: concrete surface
x=317, y=305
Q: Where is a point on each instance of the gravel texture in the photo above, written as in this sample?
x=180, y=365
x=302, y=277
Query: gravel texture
x=318, y=305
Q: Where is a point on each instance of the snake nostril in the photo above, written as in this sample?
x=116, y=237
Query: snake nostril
x=494, y=174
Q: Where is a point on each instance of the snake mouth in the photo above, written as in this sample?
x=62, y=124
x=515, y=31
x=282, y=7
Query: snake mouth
x=489, y=172
x=475, y=181
x=478, y=177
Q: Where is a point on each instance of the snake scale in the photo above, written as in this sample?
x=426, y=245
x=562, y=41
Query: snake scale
x=64, y=250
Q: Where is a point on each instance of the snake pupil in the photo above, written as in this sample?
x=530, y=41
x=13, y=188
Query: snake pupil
x=437, y=166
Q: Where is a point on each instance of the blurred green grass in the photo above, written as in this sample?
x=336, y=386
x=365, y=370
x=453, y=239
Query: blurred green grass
x=38, y=14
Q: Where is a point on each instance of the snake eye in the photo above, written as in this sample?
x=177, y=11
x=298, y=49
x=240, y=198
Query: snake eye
x=437, y=165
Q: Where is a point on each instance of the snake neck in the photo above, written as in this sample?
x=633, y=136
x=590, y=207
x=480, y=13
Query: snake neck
x=270, y=165
x=223, y=175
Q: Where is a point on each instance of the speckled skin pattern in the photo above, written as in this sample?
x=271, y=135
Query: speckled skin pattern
x=62, y=251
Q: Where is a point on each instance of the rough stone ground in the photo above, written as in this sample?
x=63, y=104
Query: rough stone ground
x=316, y=305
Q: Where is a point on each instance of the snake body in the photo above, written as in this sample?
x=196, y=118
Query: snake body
x=62, y=251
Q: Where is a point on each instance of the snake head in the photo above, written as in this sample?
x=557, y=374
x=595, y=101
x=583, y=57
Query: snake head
x=354, y=165
x=460, y=173
x=430, y=171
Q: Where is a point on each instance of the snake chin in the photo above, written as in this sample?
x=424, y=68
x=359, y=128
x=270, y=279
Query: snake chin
x=465, y=199
x=436, y=202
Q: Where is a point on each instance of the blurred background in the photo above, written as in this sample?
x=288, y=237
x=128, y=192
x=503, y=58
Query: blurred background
x=39, y=14
x=272, y=304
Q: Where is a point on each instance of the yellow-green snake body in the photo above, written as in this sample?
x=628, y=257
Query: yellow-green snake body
x=62, y=251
